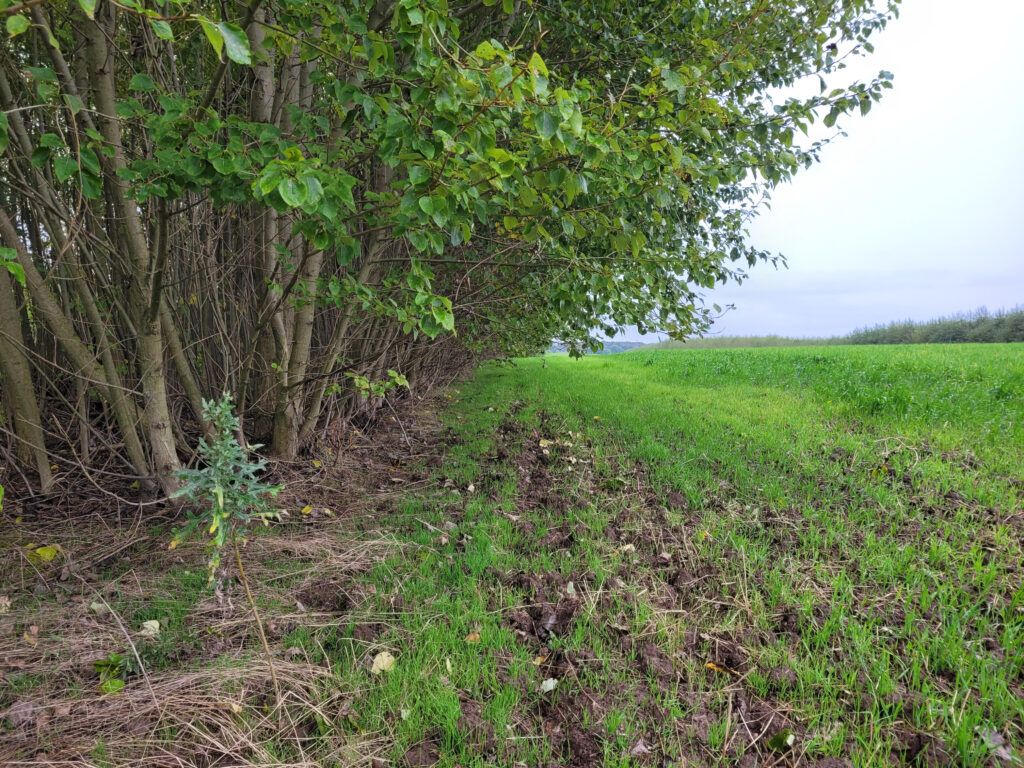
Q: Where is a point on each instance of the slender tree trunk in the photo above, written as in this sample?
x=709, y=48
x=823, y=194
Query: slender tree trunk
x=18, y=385
x=146, y=287
x=288, y=414
x=84, y=361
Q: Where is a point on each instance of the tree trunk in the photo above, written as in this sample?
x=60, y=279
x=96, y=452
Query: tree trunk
x=146, y=288
x=18, y=385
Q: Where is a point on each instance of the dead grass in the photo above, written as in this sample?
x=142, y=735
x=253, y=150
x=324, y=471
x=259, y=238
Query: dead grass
x=200, y=693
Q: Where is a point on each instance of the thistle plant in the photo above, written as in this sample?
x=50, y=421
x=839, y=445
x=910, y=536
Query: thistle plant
x=226, y=490
x=228, y=494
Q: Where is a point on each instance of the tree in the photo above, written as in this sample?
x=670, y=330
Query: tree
x=283, y=199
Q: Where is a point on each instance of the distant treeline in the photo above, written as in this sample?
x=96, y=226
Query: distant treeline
x=610, y=347
x=735, y=342
x=979, y=326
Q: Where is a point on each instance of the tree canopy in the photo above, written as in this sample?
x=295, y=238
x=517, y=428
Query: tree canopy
x=308, y=204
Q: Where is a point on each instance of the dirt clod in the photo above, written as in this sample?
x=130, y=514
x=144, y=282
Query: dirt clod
x=654, y=661
x=423, y=755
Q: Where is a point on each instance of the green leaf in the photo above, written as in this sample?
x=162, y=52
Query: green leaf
x=781, y=741
x=415, y=16
x=485, y=51
x=314, y=189
x=537, y=64
x=673, y=81
x=65, y=168
x=418, y=174
x=9, y=259
x=418, y=239
x=547, y=125
x=75, y=103
x=16, y=24
x=42, y=74
x=17, y=271
x=113, y=685
x=293, y=192
x=89, y=6
x=141, y=82
x=92, y=187
x=47, y=554
x=161, y=29
x=213, y=34
x=236, y=44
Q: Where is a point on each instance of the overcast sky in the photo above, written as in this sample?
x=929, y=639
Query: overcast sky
x=919, y=211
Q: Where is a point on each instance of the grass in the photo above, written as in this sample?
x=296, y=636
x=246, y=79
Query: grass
x=703, y=548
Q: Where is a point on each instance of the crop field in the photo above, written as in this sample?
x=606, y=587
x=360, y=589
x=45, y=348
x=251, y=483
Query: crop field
x=773, y=557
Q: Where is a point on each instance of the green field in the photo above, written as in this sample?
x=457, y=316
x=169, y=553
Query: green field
x=853, y=515
x=707, y=550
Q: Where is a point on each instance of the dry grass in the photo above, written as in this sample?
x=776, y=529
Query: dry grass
x=200, y=694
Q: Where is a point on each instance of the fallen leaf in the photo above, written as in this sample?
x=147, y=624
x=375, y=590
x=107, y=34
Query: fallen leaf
x=382, y=662
x=544, y=443
x=996, y=744
x=21, y=713
x=473, y=637
x=540, y=659
x=640, y=749
x=5, y=604
x=233, y=706
x=113, y=685
x=317, y=463
x=306, y=509
x=570, y=589
x=31, y=635
x=46, y=554
x=150, y=628
x=716, y=668
x=98, y=608
x=470, y=488
x=549, y=685
x=782, y=741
